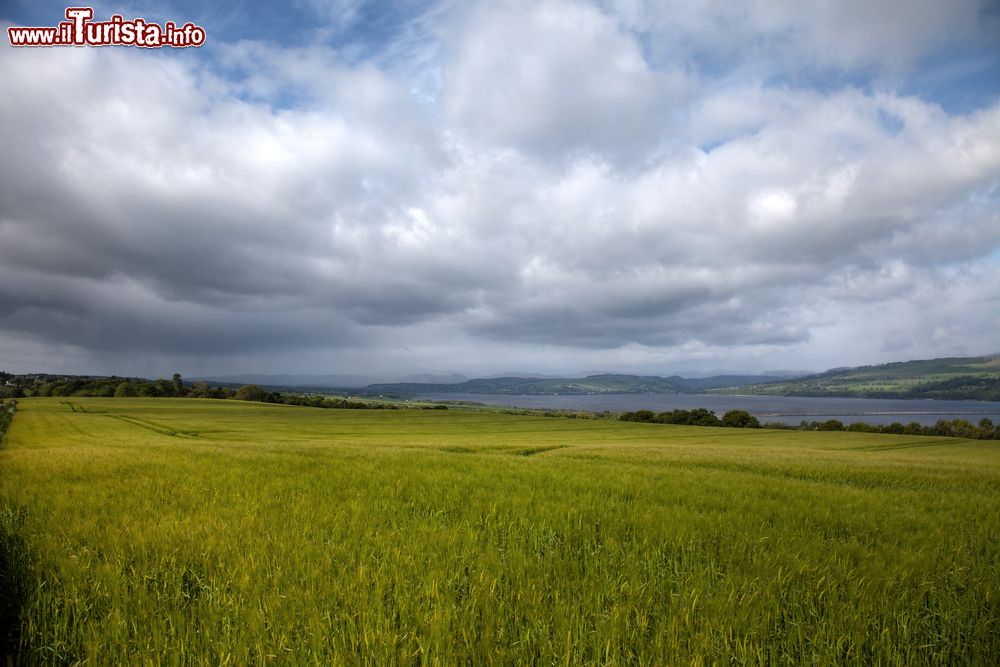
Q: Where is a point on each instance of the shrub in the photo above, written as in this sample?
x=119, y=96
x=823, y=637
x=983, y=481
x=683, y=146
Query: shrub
x=251, y=392
x=125, y=389
x=861, y=427
x=638, y=416
x=148, y=390
x=740, y=419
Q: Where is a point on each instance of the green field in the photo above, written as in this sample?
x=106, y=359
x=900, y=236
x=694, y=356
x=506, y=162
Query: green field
x=184, y=531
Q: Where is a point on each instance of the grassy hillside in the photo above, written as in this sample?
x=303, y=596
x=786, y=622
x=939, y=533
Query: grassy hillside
x=952, y=378
x=593, y=384
x=207, y=532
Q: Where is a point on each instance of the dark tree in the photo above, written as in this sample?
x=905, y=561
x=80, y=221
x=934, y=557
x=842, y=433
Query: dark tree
x=201, y=390
x=859, y=427
x=740, y=419
x=149, y=390
x=638, y=416
x=125, y=389
x=251, y=392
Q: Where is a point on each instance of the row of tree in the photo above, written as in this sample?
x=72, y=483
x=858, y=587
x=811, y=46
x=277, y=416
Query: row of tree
x=696, y=417
x=253, y=392
x=21, y=386
x=955, y=428
x=55, y=385
x=107, y=387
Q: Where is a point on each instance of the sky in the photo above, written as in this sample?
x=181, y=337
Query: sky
x=550, y=186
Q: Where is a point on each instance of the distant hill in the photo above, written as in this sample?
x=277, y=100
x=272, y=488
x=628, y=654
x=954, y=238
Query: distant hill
x=428, y=378
x=950, y=378
x=305, y=382
x=288, y=381
x=594, y=384
x=956, y=378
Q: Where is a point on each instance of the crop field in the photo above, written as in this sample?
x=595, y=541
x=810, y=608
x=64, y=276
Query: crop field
x=186, y=531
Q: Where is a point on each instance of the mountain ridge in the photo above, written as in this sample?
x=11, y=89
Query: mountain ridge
x=607, y=383
x=975, y=378
x=956, y=378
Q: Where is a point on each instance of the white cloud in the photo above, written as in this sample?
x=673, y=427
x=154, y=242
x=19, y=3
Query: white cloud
x=563, y=203
x=554, y=77
x=843, y=34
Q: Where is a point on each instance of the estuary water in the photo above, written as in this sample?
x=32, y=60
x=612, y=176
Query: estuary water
x=784, y=409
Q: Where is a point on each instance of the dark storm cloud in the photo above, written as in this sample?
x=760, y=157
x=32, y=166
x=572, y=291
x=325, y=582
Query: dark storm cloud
x=121, y=315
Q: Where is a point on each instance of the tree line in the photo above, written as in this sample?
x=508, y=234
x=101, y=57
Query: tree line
x=22, y=386
x=696, y=417
x=955, y=428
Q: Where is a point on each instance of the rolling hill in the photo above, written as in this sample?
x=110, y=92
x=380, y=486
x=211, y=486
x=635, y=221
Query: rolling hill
x=947, y=378
x=593, y=384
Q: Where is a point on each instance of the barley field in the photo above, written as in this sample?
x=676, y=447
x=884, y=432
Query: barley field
x=200, y=532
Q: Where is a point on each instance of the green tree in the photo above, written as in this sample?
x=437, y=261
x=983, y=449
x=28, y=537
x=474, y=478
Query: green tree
x=638, y=416
x=964, y=428
x=703, y=417
x=201, y=390
x=125, y=389
x=148, y=390
x=740, y=419
x=859, y=427
x=222, y=392
x=251, y=392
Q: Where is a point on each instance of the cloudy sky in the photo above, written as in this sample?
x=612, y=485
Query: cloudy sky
x=552, y=185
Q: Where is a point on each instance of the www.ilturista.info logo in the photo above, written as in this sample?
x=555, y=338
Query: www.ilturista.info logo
x=80, y=30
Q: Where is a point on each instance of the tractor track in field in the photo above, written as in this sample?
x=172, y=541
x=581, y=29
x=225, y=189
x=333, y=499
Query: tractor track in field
x=154, y=427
